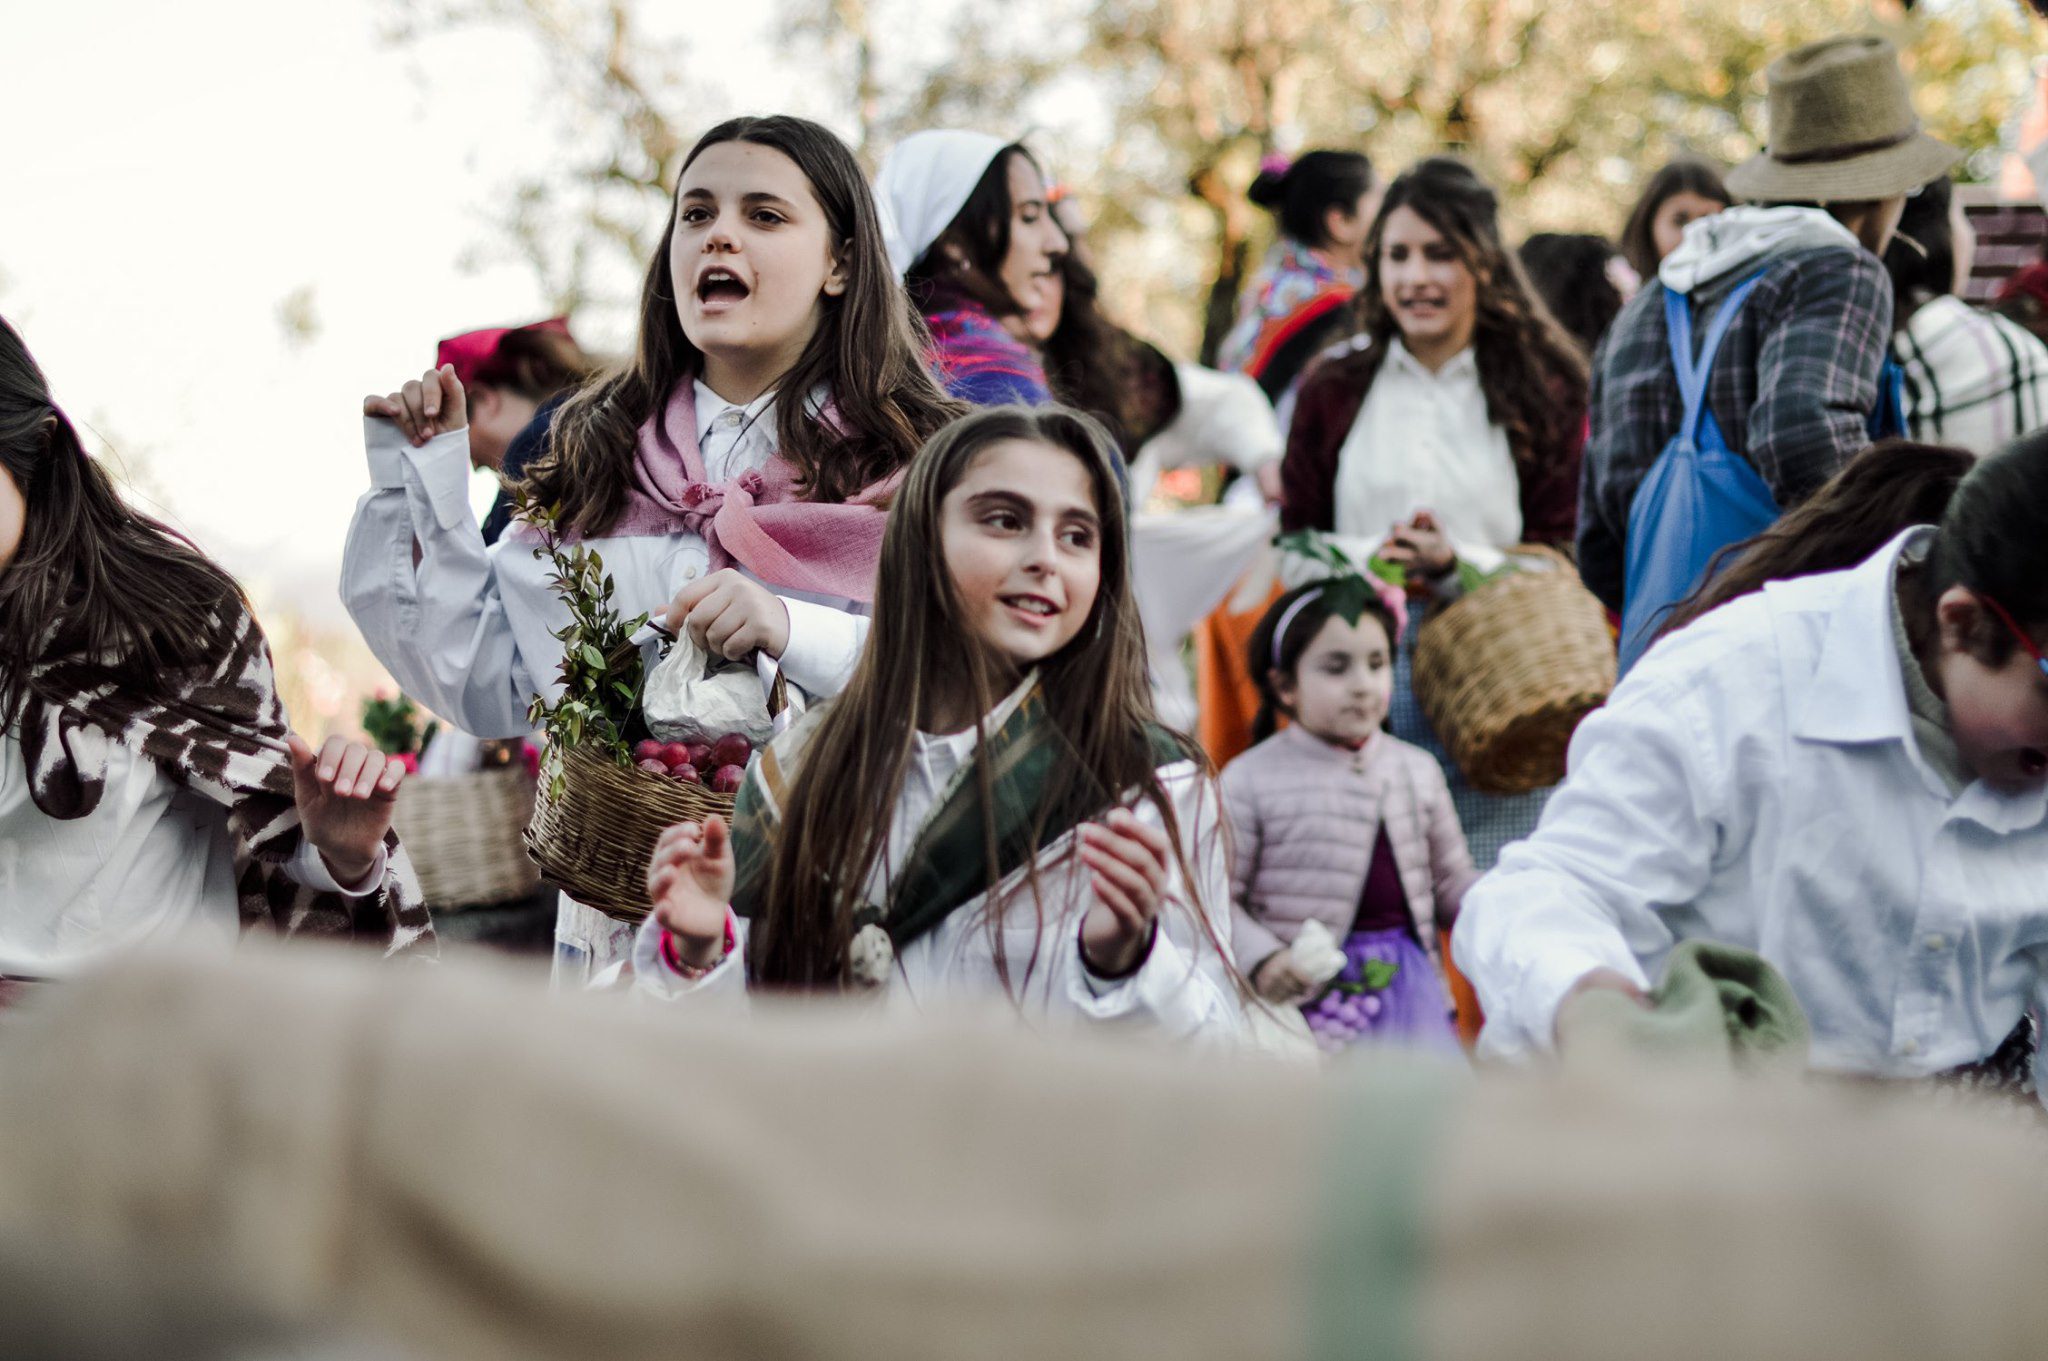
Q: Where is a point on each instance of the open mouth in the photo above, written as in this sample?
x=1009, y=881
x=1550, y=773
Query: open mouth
x=1032, y=607
x=2033, y=762
x=719, y=286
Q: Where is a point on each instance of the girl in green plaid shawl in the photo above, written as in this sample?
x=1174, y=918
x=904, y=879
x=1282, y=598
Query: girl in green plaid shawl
x=989, y=805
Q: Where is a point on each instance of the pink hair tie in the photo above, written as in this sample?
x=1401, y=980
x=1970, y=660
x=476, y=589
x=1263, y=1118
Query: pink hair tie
x=1276, y=164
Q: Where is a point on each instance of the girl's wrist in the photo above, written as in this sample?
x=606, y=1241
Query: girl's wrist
x=346, y=868
x=693, y=958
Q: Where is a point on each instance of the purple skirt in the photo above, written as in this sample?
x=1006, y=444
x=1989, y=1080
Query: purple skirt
x=1389, y=992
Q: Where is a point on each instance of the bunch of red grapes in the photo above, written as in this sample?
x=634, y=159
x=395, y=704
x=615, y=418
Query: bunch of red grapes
x=719, y=766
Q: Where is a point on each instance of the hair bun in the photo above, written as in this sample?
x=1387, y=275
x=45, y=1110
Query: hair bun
x=1270, y=185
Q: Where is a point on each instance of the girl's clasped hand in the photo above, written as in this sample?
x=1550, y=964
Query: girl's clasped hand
x=1420, y=545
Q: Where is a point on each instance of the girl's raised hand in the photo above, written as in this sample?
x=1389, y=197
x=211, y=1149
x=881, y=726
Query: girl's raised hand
x=345, y=797
x=690, y=881
x=729, y=614
x=432, y=405
x=1128, y=863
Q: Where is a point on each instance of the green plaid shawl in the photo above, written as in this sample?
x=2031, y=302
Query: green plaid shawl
x=948, y=864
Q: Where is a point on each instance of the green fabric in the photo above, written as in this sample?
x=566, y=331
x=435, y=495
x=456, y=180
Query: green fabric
x=1366, y=1256
x=948, y=865
x=1717, y=1004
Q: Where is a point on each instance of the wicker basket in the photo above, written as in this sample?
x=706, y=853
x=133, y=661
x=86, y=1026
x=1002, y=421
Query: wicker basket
x=594, y=841
x=1505, y=674
x=462, y=833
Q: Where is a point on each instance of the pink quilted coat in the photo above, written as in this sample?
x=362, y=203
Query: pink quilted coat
x=1304, y=816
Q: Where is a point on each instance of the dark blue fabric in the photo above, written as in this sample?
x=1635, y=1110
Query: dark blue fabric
x=1698, y=498
x=1888, y=417
x=525, y=447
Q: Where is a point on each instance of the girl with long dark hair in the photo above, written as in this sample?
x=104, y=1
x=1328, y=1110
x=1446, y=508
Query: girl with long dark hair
x=989, y=805
x=150, y=784
x=1449, y=431
x=973, y=235
x=1679, y=194
x=733, y=473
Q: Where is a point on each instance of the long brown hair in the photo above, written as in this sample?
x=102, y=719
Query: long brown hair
x=1886, y=488
x=1531, y=372
x=1097, y=696
x=867, y=353
x=1685, y=175
x=93, y=578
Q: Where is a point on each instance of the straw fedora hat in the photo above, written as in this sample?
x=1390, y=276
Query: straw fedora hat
x=1842, y=129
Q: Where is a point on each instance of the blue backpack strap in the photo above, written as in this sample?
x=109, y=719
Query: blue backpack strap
x=1692, y=377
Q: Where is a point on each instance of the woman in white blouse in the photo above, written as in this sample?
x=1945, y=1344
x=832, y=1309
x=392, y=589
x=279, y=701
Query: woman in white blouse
x=731, y=475
x=149, y=785
x=1449, y=430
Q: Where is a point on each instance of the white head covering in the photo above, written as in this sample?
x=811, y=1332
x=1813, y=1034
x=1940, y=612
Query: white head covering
x=925, y=182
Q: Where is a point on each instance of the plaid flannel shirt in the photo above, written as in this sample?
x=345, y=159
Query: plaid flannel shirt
x=1792, y=389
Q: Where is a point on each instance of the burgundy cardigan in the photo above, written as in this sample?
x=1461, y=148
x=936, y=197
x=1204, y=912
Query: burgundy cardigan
x=1325, y=410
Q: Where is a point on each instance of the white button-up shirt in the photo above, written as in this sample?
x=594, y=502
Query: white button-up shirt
x=153, y=861
x=470, y=631
x=1423, y=440
x=1183, y=987
x=1755, y=780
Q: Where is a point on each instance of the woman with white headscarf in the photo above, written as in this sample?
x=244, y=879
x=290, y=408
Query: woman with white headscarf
x=971, y=230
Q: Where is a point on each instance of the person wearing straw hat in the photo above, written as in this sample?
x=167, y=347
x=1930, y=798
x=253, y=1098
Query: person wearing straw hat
x=1796, y=377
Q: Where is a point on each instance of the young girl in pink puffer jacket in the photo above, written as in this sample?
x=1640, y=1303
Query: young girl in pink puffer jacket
x=1336, y=821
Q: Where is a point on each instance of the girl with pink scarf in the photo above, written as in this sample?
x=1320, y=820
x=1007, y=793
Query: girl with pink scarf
x=733, y=474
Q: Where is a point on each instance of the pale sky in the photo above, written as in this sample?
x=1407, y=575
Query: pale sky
x=172, y=172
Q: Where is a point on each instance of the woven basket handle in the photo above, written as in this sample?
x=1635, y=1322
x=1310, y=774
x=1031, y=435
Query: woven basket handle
x=776, y=686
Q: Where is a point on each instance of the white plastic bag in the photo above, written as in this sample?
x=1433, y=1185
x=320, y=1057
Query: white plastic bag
x=1314, y=953
x=692, y=697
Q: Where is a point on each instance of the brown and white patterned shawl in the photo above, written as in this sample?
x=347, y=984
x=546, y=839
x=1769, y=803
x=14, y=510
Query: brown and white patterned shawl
x=222, y=735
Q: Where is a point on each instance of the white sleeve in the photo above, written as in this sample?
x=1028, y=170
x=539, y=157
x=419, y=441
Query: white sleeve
x=306, y=867
x=824, y=644
x=1633, y=831
x=1184, y=986
x=439, y=628
x=724, y=986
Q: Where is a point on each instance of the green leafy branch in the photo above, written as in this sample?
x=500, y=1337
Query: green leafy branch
x=393, y=724
x=601, y=671
x=1347, y=592
x=1378, y=973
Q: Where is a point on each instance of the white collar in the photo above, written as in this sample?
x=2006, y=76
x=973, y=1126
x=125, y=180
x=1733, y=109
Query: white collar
x=1463, y=364
x=710, y=406
x=1858, y=692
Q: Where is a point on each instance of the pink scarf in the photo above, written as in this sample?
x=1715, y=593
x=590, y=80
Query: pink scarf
x=755, y=521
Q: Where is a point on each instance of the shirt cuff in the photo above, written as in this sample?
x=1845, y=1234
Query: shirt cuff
x=440, y=467
x=309, y=869
x=1544, y=986
x=652, y=975
x=824, y=644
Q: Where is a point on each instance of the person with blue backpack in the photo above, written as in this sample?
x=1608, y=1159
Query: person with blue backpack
x=1760, y=367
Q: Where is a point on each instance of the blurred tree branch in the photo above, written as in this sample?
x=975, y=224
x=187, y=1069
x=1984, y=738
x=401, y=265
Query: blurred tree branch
x=1564, y=107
